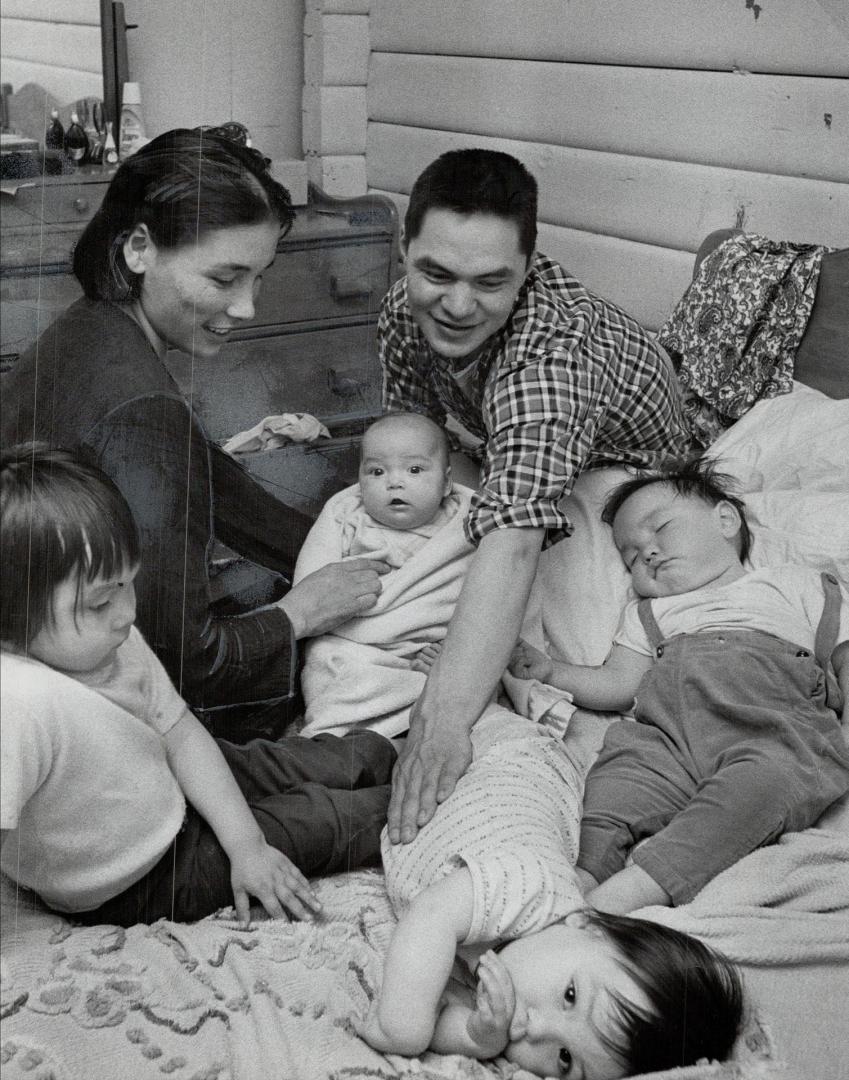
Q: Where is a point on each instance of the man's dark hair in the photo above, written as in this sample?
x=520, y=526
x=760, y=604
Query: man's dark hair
x=699, y=477
x=695, y=996
x=476, y=181
x=59, y=518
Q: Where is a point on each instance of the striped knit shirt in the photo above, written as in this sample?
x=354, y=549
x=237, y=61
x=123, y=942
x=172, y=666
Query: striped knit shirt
x=569, y=382
x=513, y=822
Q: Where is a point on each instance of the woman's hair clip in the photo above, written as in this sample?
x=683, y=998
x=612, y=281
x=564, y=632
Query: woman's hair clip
x=236, y=133
x=232, y=130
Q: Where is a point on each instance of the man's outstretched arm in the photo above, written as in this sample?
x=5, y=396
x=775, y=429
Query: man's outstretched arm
x=475, y=653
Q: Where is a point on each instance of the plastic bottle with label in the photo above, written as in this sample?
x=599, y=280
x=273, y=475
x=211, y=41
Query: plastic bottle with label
x=131, y=136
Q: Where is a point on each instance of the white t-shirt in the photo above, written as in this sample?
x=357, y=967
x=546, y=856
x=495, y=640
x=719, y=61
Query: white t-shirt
x=86, y=788
x=785, y=601
x=513, y=822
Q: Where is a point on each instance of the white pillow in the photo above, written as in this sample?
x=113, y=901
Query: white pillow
x=581, y=585
x=790, y=455
x=792, y=442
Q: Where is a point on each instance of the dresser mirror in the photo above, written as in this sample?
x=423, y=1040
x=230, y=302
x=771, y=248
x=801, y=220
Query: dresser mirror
x=38, y=37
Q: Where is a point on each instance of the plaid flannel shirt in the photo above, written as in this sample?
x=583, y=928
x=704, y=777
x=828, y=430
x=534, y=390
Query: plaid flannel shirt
x=569, y=382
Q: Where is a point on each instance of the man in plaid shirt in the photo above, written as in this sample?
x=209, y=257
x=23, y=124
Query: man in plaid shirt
x=551, y=379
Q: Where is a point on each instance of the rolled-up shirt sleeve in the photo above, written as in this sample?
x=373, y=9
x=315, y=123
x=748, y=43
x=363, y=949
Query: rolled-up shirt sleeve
x=542, y=420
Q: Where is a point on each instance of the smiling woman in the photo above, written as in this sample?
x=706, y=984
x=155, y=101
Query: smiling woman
x=174, y=258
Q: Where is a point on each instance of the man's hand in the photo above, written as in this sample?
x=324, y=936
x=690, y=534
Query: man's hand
x=263, y=872
x=330, y=596
x=489, y=1023
x=528, y=662
x=434, y=757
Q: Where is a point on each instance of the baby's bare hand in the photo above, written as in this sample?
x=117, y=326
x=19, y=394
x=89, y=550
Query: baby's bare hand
x=265, y=873
x=426, y=657
x=529, y=663
x=489, y=1024
x=332, y=595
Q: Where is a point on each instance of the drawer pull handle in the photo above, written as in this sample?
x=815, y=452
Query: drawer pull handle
x=348, y=290
x=81, y=205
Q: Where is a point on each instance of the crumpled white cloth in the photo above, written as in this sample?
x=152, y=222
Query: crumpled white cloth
x=272, y=432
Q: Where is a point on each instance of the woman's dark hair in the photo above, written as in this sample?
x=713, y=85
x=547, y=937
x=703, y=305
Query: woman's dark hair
x=699, y=477
x=695, y=995
x=181, y=185
x=476, y=181
x=59, y=517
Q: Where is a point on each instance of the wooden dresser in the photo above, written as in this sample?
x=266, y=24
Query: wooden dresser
x=311, y=347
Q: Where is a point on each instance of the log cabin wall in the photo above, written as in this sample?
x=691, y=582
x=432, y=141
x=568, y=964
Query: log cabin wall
x=646, y=124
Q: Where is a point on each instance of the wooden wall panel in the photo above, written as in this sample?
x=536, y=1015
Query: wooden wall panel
x=652, y=201
x=647, y=125
x=790, y=125
x=63, y=11
x=781, y=36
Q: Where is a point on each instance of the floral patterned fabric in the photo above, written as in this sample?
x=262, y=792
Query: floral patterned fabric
x=733, y=335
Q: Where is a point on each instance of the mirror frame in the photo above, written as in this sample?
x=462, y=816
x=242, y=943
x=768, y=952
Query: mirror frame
x=113, y=44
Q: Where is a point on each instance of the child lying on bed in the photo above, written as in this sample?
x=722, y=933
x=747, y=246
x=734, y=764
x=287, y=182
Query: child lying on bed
x=561, y=991
x=100, y=753
x=405, y=511
x=737, y=738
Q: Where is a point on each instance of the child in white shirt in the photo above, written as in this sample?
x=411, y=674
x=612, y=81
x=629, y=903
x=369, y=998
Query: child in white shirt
x=116, y=804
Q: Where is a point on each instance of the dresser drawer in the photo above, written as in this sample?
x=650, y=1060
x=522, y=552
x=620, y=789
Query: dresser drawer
x=324, y=281
x=324, y=374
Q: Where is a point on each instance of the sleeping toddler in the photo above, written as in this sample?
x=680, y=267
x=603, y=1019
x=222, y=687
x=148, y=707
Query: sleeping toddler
x=738, y=733
x=116, y=804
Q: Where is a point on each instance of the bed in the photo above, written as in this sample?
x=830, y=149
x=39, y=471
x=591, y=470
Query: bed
x=211, y=1001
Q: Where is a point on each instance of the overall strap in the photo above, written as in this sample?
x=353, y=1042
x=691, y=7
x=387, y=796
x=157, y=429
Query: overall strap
x=829, y=622
x=649, y=622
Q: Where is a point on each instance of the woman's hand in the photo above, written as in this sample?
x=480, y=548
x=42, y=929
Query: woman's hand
x=529, y=663
x=261, y=871
x=489, y=1023
x=333, y=594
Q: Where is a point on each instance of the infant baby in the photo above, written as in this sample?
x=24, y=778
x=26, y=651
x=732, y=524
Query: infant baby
x=406, y=512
